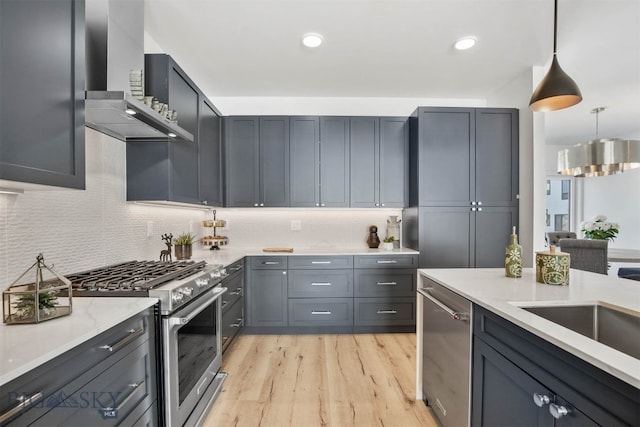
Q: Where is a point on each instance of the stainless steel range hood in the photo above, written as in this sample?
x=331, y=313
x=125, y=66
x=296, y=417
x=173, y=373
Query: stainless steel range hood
x=114, y=47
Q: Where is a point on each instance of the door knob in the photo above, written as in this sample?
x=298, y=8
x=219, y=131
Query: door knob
x=557, y=411
x=541, y=399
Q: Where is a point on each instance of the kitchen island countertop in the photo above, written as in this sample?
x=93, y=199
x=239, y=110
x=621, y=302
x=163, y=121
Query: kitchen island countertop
x=25, y=347
x=504, y=296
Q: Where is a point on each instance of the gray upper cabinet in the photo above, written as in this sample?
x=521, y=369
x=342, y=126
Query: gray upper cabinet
x=42, y=72
x=379, y=161
x=319, y=162
x=257, y=161
x=465, y=156
x=305, y=161
x=210, y=156
x=171, y=169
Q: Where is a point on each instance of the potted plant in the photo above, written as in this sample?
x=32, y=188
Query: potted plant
x=182, y=244
x=387, y=244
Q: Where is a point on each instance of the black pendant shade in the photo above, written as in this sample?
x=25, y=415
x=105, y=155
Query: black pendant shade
x=556, y=90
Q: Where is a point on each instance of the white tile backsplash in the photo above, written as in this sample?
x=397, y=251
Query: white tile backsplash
x=81, y=229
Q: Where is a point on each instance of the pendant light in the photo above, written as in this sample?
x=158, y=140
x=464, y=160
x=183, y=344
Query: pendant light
x=599, y=157
x=556, y=90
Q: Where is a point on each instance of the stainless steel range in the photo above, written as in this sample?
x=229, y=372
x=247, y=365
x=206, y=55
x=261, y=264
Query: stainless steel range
x=190, y=312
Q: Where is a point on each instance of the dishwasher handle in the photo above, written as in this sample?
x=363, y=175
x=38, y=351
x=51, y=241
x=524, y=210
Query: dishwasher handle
x=454, y=314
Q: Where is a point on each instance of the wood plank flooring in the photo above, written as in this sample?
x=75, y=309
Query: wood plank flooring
x=320, y=380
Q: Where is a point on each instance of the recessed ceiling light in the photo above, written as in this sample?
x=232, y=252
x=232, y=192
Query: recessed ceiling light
x=465, y=43
x=312, y=40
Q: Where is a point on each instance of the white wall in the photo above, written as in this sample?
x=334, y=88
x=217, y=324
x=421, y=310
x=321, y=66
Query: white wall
x=77, y=230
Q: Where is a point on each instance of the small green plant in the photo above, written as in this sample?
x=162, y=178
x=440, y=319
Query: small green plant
x=389, y=239
x=25, y=307
x=184, y=239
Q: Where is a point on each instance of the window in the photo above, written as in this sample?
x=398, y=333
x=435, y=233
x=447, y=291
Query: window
x=561, y=222
x=566, y=184
x=558, y=204
x=548, y=189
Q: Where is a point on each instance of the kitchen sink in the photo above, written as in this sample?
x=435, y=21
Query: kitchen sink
x=613, y=326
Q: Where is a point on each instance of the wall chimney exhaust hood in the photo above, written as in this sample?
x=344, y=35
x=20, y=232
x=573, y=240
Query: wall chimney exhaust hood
x=114, y=47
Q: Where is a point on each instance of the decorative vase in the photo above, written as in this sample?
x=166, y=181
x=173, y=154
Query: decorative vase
x=373, y=241
x=183, y=252
x=513, y=257
x=552, y=268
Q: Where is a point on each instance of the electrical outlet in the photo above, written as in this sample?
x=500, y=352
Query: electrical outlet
x=296, y=225
x=149, y=228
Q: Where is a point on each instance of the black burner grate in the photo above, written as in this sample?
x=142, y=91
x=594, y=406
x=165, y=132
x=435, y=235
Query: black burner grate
x=133, y=276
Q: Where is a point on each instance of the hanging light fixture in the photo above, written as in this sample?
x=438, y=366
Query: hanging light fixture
x=599, y=157
x=556, y=90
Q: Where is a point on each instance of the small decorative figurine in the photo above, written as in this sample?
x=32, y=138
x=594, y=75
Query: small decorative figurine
x=373, y=241
x=165, y=255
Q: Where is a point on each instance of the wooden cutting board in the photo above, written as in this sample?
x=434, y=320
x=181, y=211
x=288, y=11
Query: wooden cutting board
x=277, y=250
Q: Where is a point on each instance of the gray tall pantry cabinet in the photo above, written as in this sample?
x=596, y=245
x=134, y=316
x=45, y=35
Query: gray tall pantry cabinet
x=42, y=72
x=463, y=185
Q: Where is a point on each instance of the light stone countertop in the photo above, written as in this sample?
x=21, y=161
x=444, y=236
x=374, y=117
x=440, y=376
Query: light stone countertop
x=25, y=347
x=490, y=289
x=226, y=255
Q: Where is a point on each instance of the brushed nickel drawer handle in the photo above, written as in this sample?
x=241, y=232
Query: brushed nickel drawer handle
x=133, y=334
x=320, y=262
x=387, y=261
x=239, y=323
x=270, y=262
x=135, y=387
x=238, y=291
x=320, y=311
x=387, y=283
x=320, y=283
x=386, y=312
x=25, y=402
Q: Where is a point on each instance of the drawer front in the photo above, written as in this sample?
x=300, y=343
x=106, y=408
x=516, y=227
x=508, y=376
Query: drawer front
x=47, y=380
x=232, y=322
x=319, y=262
x=323, y=283
x=385, y=311
x=234, y=284
x=268, y=262
x=377, y=283
x=321, y=312
x=386, y=261
x=124, y=390
x=235, y=267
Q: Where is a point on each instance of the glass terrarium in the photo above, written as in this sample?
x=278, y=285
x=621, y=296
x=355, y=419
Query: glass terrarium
x=44, y=299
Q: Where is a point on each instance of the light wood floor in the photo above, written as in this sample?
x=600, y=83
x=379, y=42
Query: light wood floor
x=320, y=380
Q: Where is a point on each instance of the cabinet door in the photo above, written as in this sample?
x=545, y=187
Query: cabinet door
x=210, y=156
x=446, y=237
x=242, y=161
x=446, y=156
x=42, y=87
x=492, y=232
x=184, y=98
x=304, y=140
x=394, y=162
x=364, y=143
x=274, y=161
x=496, y=153
x=268, y=298
x=334, y=162
x=503, y=394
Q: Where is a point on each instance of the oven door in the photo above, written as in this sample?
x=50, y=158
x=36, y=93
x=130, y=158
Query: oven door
x=192, y=348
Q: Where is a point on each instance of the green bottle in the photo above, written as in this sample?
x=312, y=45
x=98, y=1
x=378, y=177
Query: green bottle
x=513, y=258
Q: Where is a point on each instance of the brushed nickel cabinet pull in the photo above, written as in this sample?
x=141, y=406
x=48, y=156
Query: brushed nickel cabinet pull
x=320, y=312
x=25, y=402
x=133, y=334
x=387, y=283
x=321, y=284
x=387, y=312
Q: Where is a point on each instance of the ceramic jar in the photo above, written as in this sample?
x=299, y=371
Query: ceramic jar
x=552, y=267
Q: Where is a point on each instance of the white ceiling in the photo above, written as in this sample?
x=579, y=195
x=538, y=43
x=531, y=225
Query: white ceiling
x=403, y=48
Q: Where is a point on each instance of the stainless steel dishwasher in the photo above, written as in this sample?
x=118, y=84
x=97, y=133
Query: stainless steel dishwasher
x=446, y=354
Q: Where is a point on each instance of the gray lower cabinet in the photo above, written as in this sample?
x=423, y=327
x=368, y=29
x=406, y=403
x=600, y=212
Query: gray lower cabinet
x=385, y=290
x=233, y=303
x=42, y=72
x=109, y=380
x=379, y=162
x=319, y=159
x=522, y=380
x=257, y=161
x=267, y=291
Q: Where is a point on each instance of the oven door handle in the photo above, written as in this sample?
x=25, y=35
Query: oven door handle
x=179, y=320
